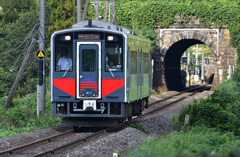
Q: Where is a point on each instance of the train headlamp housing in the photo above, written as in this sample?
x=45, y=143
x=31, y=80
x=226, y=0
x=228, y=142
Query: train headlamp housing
x=110, y=38
x=67, y=37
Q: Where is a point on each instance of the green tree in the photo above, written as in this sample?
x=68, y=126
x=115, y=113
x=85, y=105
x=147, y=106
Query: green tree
x=11, y=9
x=62, y=14
x=12, y=36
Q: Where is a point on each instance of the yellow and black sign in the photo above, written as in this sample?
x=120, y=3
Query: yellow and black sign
x=41, y=54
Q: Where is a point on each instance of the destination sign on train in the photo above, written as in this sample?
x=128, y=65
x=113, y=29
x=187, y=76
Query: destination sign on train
x=89, y=36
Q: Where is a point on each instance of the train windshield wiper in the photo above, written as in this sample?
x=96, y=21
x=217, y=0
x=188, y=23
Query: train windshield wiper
x=110, y=70
x=65, y=73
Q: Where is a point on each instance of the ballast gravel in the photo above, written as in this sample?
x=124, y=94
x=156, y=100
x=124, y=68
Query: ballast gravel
x=122, y=141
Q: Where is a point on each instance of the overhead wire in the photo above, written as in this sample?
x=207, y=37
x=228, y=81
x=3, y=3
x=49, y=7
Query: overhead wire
x=3, y=63
x=20, y=56
x=37, y=23
x=16, y=61
x=11, y=70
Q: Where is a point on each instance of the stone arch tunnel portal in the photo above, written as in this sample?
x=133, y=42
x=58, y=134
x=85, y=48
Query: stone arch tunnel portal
x=172, y=63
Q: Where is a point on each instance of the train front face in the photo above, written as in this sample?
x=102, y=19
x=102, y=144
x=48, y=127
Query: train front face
x=88, y=75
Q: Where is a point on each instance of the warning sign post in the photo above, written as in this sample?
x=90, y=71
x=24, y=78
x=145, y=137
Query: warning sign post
x=41, y=54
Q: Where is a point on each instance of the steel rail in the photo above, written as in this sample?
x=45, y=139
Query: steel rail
x=85, y=139
x=158, y=109
x=65, y=146
x=169, y=97
x=169, y=104
x=31, y=144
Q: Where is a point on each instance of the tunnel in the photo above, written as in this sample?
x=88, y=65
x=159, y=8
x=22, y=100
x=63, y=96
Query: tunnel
x=172, y=62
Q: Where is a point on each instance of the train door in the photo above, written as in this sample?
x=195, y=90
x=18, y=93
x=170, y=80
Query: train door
x=88, y=70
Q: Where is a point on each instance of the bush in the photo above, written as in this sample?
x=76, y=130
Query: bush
x=220, y=110
x=193, y=142
x=21, y=116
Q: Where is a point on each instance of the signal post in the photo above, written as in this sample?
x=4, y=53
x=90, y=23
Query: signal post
x=41, y=89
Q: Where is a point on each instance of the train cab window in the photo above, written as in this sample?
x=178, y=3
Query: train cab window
x=89, y=60
x=114, y=59
x=63, y=59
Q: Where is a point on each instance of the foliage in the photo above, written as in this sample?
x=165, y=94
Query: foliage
x=140, y=127
x=12, y=8
x=148, y=14
x=194, y=142
x=62, y=15
x=183, y=77
x=11, y=37
x=220, y=110
x=22, y=117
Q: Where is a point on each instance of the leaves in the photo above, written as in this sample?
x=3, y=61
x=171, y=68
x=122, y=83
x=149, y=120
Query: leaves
x=146, y=14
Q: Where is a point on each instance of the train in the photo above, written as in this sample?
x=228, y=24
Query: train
x=101, y=74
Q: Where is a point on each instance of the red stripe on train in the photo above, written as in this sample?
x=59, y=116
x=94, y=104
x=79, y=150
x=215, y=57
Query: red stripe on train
x=66, y=85
x=69, y=86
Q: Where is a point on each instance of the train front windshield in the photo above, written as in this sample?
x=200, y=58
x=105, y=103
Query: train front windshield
x=63, y=52
x=64, y=55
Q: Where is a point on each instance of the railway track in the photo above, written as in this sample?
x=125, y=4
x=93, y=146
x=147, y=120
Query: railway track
x=20, y=151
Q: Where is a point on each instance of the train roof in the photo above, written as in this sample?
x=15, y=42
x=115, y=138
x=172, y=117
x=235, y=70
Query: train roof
x=91, y=24
x=102, y=24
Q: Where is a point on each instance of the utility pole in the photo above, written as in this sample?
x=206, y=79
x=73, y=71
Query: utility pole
x=106, y=10
x=113, y=12
x=85, y=10
x=202, y=73
x=79, y=16
x=96, y=3
x=41, y=86
x=196, y=67
x=109, y=13
x=19, y=75
x=188, y=68
x=196, y=76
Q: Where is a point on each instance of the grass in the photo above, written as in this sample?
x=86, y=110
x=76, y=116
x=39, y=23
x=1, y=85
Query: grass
x=193, y=142
x=214, y=128
x=21, y=117
x=140, y=127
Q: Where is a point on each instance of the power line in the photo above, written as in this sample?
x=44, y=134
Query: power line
x=24, y=39
x=3, y=63
x=19, y=56
x=11, y=70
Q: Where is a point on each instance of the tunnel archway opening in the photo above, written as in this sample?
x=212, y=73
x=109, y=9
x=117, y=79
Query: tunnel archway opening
x=172, y=63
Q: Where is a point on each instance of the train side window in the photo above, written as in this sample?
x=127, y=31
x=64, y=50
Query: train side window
x=114, y=59
x=146, y=63
x=133, y=62
x=63, y=59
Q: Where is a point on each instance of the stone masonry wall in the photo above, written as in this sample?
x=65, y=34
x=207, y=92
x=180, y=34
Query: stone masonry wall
x=218, y=41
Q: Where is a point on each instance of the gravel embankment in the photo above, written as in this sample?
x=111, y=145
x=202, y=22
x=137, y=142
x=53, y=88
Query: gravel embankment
x=121, y=141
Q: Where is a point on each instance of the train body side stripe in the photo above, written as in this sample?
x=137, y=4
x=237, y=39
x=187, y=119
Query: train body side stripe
x=108, y=85
x=66, y=85
x=111, y=85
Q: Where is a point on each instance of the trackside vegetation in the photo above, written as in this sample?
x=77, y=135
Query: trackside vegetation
x=213, y=130
x=214, y=122
x=21, y=117
x=195, y=141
